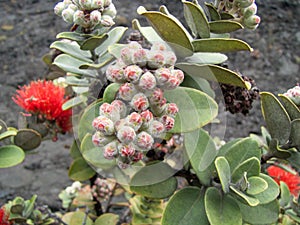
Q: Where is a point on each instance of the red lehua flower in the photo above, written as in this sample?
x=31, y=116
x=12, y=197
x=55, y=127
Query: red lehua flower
x=45, y=99
x=291, y=180
x=4, y=215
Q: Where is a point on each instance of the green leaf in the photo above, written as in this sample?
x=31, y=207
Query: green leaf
x=285, y=194
x=115, y=50
x=110, y=92
x=85, y=123
x=220, y=45
x=221, y=209
x=74, y=150
x=114, y=35
x=73, y=36
x=107, y=219
x=148, y=32
x=196, y=109
x=71, y=64
x=214, y=73
x=77, y=82
x=226, y=16
x=160, y=190
x=201, y=152
x=94, y=155
x=199, y=84
x=271, y=193
x=241, y=196
x=223, y=170
x=241, y=151
x=79, y=218
x=103, y=60
x=27, y=139
x=80, y=99
x=206, y=58
x=213, y=12
x=7, y=133
x=196, y=19
x=80, y=170
x=276, y=117
x=290, y=107
x=294, y=159
x=185, y=207
x=93, y=42
x=225, y=148
x=295, y=133
x=251, y=166
x=224, y=26
x=11, y=155
x=277, y=151
x=72, y=49
x=261, y=214
x=170, y=30
x=256, y=185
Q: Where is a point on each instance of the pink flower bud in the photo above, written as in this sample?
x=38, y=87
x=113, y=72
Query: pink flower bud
x=119, y=124
x=95, y=17
x=156, y=128
x=139, y=102
x=171, y=109
x=170, y=58
x=109, y=111
x=126, y=55
x=107, y=21
x=104, y=125
x=115, y=74
x=121, y=106
x=179, y=74
x=79, y=19
x=144, y=140
x=251, y=22
x=126, y=134
x=137, y=156
x=126, y=150
x=140, y=57
x=158, y=46
x=134, y=120
x=162, y=75
x=147, y=81
x=132, y=73
x=110, y=150
x=97, y=4
x=127, y=91
x=168, y=122
x=100, y=140
x=172, y=83
x=249, y=11
x=134, y=45
x=159, y=107
x=156, y=59
x=156, y=96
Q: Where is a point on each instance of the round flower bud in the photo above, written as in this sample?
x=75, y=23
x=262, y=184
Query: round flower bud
x=170, y=58
x=146, y=116
x=121, y=106
x=126, y=150
x=73, y=7
x=172, y=83
x=168, y=122
x=139, y=102
x=107, y=21
x=104, y=125
x=156, y=59
x=126, y=134
x=67, y=15
x=134, y=120
x=179, y=74
x=243, y=3
x=67, y=2
x=156, y=96
x=147, y=81
x=252, y=21
x=109, y=111
x=100, y=140
x=134, y=45
x=110, y=11
x=249, y=11
x=127, y=91
x=58, y=8
x=160, y=107
x=156, y=128
x=86, y=4
x=144, y=140
x=106, y=3
x=139, y=57
x=158, y=46
x=79, y=18
x=294, y=95
x=126, y=55
x=97, y=4
x=115, y=73
x=171, y=109
x=95, y=17
x=162, y=75
x=110, y=150
x=132, y=73
x=137, y=156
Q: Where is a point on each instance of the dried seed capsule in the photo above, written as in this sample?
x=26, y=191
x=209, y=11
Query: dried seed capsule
x=132, y=73
x=104, y=125
x=147, y=81
x=127, y=91
x=139, y=102
x=126, y=134
x=126, y=150
x=144, y=140
x=110, y=150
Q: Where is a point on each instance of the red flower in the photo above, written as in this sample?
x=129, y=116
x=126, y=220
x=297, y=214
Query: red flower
x=291, y=180
x=4, y=216
x=45, y=99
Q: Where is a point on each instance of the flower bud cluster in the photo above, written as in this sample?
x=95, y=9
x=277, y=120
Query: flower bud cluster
x=127, y=128
x=244, y=11
x=88, y=14
x=101, y=189
x=294, y=94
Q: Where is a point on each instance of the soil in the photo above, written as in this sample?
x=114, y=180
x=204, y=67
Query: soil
x=28, y=27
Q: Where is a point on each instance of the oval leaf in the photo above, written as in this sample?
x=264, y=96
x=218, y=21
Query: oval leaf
x=213, y=73
x=80, y=170
x=213, y=12
x=80, y=99
x=241, y=196
x=93, y=42
x=80, y=218
x=27, y=139
x=148, y=32
x=186, y=207
x=256, y=185
x=196, y=19
x=277, y=119
x=251, y=166
x=221, y=209
x=223, y=170
x=107, y=219
x=110, y=92
x=11, y=155
x=206, y=58
x=196, y=109
x=73, y=36
x=8, y=133
x=224, y=26
x=220, y=45
x=199, y=84
x=290, y=107
x=295, y=133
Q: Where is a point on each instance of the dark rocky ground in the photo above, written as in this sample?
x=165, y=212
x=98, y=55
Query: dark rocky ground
x=28, y=27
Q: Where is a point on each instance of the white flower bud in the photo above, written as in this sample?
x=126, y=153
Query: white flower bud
x=67, y=15
x=110, y=11
x=106, y=3
x=95, y=17
x=79, y=18
x=107, y=21
x=58, y=8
